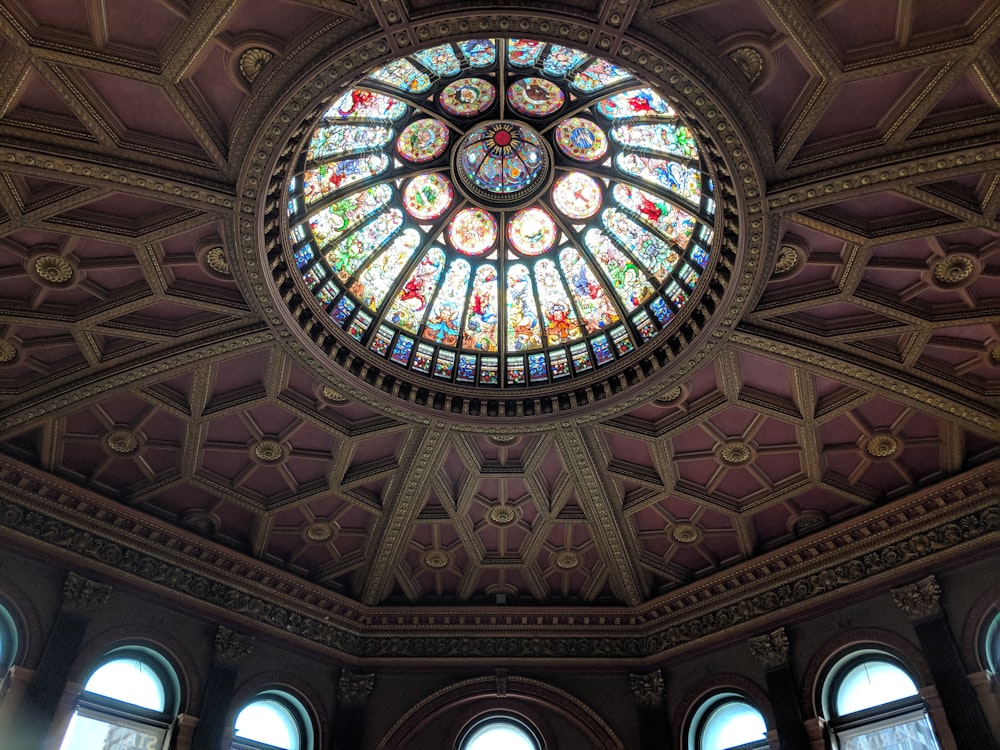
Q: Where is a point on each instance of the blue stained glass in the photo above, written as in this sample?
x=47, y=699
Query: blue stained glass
x=661, y=310
x=481, y=53
x=538, y=369
x=364, y=104
x=523, y=52
x=699, y=255
x=304, y=256
x=401, y=351
x=401, y=74
x=599, y=75
x=643, y=324
x=633, y=104
x=466, y=368
x=602, y=350
x=342, y=311
x=440, y=60
x=381, y=340
x=561, y=60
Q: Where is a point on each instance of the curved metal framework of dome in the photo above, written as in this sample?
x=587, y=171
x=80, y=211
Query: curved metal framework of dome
x=500, y=213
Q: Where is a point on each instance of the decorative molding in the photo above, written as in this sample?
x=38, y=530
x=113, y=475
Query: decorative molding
x=230, y=647
x=647, y=689
x=354, y=689
x=56, y=520
x=252, y=61
x=771, y=649
x=81, y=596
x=501, y=675
x=919, y=600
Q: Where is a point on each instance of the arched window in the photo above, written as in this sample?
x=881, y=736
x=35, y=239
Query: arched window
x=129, y=701
x=870, y=699
x=273, y=720
x=8, y=640
x=992, y=645
x=727, y=721
x=499, y=732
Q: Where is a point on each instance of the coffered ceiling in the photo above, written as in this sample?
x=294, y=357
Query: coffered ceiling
x=136, y=367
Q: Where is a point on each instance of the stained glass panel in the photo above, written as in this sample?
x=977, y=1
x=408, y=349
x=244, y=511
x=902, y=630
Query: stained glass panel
x=664, y=138
x=468, y=96
x=473, y=231
x=561, y=325
x=523, y=331
x=444, y=322
x=423, y=140
x=331, y=223
x=330, y=177
x=676, y=225
x=581, y=139
x=348, y=255
x=685, y=181
x=403, y=75
x=577, y=195
x=626, y=277
x=560, y=60
x=364, y=104
x=408, y=310
x=591, y=300
x=599, y=75
x=440, y=60
x=632, y=104
x=531, y=231
x=480, y=53
x=341, y=140
x=535, y=97
x=523, y=52
x=647, y=248
x=427, y=196
x=481, y=320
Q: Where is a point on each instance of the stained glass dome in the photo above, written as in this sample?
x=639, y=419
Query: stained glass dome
x=500, y=213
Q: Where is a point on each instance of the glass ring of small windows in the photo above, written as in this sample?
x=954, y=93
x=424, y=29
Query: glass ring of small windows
x=8, y=640
x=499, y=731
x=501, y=213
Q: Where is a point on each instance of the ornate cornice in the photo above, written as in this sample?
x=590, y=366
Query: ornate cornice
x=54, y=520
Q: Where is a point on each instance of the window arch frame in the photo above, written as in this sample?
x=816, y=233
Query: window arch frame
x=10, y=639
x=844, y=726
x=473, y=727
x=708, y=706
x=991, y=642
x=155, y=726
x=296, y=707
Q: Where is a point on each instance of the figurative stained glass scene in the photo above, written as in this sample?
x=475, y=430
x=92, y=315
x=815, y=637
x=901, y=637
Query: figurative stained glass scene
x=501, y=212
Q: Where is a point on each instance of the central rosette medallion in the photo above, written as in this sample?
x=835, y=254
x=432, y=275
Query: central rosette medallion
x=503, y=163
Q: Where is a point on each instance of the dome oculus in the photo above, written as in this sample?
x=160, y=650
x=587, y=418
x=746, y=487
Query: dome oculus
x=501, y=213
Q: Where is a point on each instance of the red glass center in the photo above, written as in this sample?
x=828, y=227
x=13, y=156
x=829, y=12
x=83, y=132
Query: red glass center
x=501, y=138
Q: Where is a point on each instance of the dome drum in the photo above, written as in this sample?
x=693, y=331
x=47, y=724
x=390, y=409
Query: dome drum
x=607, y=214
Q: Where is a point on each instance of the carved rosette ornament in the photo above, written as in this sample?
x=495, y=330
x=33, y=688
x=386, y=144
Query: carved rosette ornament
x=993, y=356
x=882, y=446
x=319, y=532
x=354, y=689
x=736, y=453
x=332, y=396
x=919, y=600
x=685, y=533
x=787, y=262
x=216, y=261
x=53, y=269
x=230, y=647
x=750, y=61
x=253, y=61
x=269, y=451
x=122, y=442
x=436, y=559
x=647, y=689
x=771, y=649
x=82, y=596
x=567, y=560
x=672, y=396
x=953, y=270
x=8, y=352
x=502, y=515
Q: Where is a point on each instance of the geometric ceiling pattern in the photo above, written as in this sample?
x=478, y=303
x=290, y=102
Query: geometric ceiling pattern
x=134, y=363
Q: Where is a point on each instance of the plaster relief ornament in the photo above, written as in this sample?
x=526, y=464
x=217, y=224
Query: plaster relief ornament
x=499, y=214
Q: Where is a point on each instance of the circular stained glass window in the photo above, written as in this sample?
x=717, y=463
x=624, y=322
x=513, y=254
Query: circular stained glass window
x=502, y=213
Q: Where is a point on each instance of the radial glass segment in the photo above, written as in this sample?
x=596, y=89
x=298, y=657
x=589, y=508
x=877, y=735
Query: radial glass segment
x=503, y=213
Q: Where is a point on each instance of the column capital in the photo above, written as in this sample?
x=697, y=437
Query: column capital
x=920, y=599
x=771, y=649
x=354, y=689
x=232, y=648
x=81, y=596
x=647, y=689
